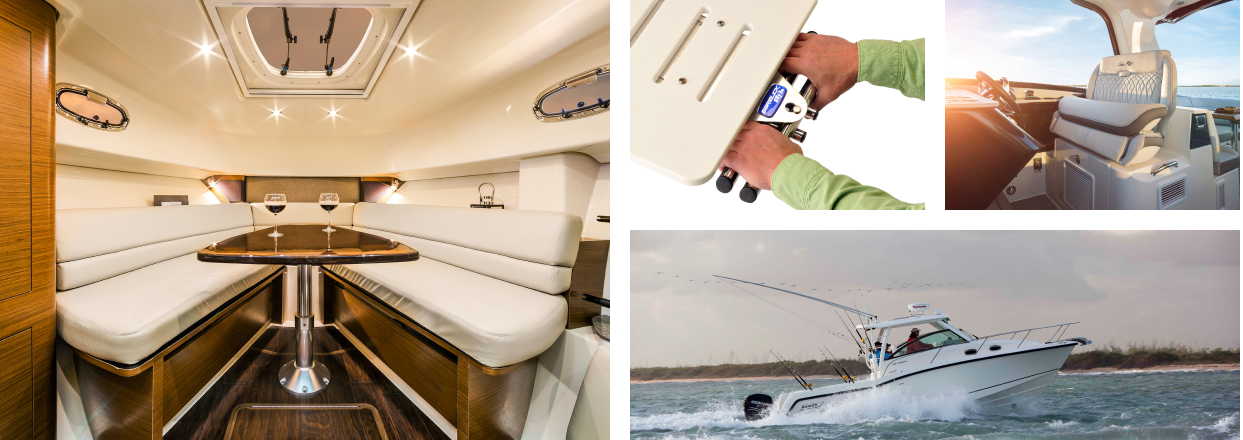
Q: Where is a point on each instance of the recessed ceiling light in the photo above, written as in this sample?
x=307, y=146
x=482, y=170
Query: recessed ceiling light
x=205, y=49
x=332, y=113
x=276, y=112
x=411, y=50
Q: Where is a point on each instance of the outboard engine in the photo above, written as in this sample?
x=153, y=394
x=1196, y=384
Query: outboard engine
x=757, y=406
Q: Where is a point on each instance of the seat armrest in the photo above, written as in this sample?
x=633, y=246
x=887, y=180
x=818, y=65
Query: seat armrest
x=1111, y=117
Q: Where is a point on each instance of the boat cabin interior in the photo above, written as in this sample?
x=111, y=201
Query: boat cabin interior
x=1125, y=141
x=310, y=219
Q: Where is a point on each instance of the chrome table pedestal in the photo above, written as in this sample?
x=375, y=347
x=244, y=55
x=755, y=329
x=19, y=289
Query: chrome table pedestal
x=303, y=375
x=306, y=246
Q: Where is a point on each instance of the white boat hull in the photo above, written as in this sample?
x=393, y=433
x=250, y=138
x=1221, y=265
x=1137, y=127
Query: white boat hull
x=1007, y=375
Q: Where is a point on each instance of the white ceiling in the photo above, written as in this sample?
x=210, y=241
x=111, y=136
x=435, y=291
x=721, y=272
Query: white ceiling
x=465, y=59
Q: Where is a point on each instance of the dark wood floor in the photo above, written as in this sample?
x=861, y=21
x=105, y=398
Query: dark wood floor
x=1040, y=202
x=252, y=379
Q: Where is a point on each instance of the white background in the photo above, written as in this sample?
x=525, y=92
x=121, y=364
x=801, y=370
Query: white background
x=873, y=134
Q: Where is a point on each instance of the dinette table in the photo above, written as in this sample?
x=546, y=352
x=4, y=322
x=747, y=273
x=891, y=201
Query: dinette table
x=306, y=246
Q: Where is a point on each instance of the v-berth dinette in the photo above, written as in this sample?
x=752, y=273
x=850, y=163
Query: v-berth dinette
x=460, y=150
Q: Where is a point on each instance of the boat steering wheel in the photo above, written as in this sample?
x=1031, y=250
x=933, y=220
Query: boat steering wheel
x=990, y=89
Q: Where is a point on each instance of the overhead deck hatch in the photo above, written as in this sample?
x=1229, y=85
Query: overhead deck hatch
x=307, y=48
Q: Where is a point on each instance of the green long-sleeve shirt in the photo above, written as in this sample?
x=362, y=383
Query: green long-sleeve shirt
x=805, y=184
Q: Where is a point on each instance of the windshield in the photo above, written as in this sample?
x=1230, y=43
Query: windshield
x=928, y=342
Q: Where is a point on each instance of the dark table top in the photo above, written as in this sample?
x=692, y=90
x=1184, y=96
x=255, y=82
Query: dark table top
x=307, y=244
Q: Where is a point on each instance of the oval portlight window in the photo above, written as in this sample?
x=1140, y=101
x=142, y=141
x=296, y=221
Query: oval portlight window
x=90, y=108
x=578, y=97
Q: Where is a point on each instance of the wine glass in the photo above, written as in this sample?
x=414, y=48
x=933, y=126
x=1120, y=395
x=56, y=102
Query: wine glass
x=275, y=204
x=329, y=202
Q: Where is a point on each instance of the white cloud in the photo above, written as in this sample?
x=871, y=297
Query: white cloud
x=1056, y=25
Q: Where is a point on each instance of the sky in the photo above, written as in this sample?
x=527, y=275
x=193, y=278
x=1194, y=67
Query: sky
x=1058, y=42
x=1145, y=288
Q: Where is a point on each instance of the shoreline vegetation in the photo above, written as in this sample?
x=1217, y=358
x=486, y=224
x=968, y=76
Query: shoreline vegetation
x=1201, y=85
x=1107, y=359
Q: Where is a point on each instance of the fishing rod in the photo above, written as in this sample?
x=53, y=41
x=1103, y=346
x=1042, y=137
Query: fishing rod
x=867, y=344
x=848, y=309
x=290, y=38
x=868, y=338
x=843, y=321
x=834, y=367
x=839, y=363
x=802, y=382
x=326, y=39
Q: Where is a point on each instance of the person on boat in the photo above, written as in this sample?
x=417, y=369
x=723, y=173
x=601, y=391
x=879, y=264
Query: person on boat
x=878, y=353
x=769, y=160
x=913, y=344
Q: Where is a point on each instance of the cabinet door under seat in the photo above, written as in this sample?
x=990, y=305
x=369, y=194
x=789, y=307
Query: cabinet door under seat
x=16, y=387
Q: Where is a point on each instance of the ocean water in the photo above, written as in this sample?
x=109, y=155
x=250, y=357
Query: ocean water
x=1186, y=404
x=1209, y=92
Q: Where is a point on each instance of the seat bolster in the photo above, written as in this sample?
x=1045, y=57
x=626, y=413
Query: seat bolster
x=1111, y=117
x=78, y=273
x=1110, y=146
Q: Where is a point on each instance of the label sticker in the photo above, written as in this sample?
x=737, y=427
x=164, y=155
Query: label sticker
x=772, y=100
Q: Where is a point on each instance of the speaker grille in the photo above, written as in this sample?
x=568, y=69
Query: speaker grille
x=1077, y=187
x=1171, y=193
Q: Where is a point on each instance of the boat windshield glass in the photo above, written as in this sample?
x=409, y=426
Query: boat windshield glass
x=929, y=341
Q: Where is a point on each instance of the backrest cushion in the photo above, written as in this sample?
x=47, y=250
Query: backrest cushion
x=1137, y=78
x=534, y=249
x=95, y=244
x=303, y=214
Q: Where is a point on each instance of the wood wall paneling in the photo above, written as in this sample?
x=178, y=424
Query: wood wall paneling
x=493, y=407
x=27, y=179
x=15, y=143
x=119, y=407
x=16, y=392
x=587, y=278
x=430, y=370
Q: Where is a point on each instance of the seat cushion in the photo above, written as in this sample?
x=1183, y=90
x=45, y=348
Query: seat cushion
x=549, y=238
x=83, y=233
x=495, y=322
x=1111, y=117
x=127, y=318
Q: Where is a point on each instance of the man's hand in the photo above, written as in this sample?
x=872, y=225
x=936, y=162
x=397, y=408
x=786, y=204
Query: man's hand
x=756, y=152
x=831, y=63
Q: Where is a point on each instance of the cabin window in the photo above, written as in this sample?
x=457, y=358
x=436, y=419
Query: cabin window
x=90, y=108
x=928, y=342
x=577, y=97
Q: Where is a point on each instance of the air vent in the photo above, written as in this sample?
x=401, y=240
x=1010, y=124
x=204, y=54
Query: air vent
x=1172, y=193
x=1077, y=187
x=1221, y=195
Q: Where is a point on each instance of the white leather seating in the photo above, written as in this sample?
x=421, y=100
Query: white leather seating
x=302, y=214
x=487, y=281
x=129, y=280
x=1129, y=99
